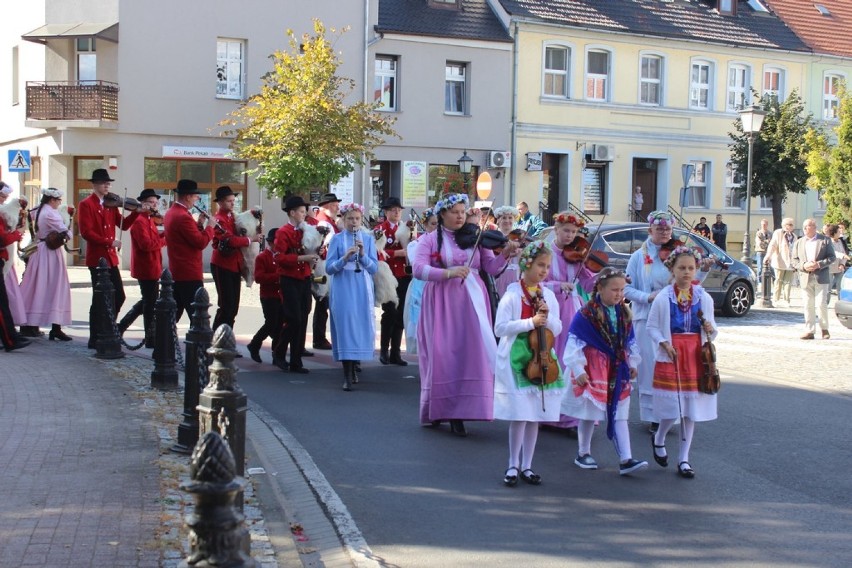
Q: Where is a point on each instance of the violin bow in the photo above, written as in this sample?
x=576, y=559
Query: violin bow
x=484, y=220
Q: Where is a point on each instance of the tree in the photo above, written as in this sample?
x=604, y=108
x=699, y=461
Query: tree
x=779, y=156
x=298, y=130
x=831, y=168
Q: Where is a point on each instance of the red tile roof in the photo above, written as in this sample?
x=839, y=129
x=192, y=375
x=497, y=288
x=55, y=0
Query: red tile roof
x=824, y=34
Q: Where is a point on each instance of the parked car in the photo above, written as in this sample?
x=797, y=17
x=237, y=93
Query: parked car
x=843, y=306
x=731, y=283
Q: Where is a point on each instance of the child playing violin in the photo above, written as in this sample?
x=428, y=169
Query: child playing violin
x=523, y=400
x=602, y=357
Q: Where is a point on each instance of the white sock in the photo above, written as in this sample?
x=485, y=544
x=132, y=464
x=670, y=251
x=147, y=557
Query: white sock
x=516, y=441
x=622, y=440
x=530, y=438
x=660, y=438
x=687, y=428
x=585, y=429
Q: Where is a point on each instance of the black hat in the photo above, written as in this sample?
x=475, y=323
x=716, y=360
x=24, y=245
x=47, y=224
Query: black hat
x=294, y=201
x=100, y=175
x=328, y=198
x=392, y=202
x=223, y=192
x=146, y=193
x=270, y=236
x=187, y=187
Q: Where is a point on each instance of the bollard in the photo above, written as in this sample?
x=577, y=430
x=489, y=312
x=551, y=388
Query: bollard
x=216, y=529
x=164, y=376
x=198, y=340
x=767, y=287
x=108, y=343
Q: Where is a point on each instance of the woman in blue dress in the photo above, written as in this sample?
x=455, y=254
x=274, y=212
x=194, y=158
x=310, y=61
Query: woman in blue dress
x=351, y=263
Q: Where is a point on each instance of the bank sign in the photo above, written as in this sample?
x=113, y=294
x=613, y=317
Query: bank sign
x=197, y=153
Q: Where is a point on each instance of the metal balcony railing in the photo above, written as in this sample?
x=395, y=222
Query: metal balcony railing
x=72, y=100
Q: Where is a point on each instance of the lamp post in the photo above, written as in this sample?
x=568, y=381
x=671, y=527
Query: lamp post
x=465, y=165
x=752, y=119
x=686, y=171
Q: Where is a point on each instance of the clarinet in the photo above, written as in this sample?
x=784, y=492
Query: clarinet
x=357, y=241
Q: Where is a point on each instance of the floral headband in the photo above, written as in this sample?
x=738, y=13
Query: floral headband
x=566, y=219
x=452, y=200
x=426, y=214
x=661, y=218
x=608, y=272
x=344, y=209
x=680, y=251
x=506, y=210
x=530, y=252
x=52, y=192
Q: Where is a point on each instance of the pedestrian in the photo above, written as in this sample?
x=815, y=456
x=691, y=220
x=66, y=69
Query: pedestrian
x=329, y=207
x=505, y=217
x=14, y=227
x=186, y=240
x=352, y=261
x=411, y=309
x=97, y=218
x=720, y=233
x=680, y=319
x=294, y=271
x=638, y=201
x=392, y=326
x=266, y=275
x=813, y=255
x=531, y=224
x=602, y=358
x=779, y=255
x=146, y=261
x=45, y=288
x=523, y=400
x=702, y=228
x=761, y=244
x=841, y=254
x=456, y=347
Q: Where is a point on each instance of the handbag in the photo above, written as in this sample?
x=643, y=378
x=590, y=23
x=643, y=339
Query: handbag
x=55, y=239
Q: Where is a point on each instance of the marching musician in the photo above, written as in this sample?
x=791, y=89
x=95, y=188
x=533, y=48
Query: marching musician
x=225, y=262
x=8, y=235
x=329, y=206
x=97, y=226
x=14, y=235
x=294, y=269
x=266, y=275
x=392, y=325
x=186, y=239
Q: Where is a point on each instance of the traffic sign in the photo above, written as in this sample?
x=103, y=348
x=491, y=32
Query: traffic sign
x=19, y=161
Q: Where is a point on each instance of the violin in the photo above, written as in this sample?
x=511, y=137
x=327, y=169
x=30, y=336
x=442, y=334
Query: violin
x=667, y=247
x=158, y=218
x=113, y=200
x=709, y=381
x=580, y=250
x=542, y=369
x=491, y=239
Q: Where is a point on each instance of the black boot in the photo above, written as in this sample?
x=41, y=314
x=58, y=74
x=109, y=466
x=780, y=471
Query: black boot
x=134, y=312
x=347, y=375
x=395, y=350
x=31, y=331
x=386, y=327
x=356, y=368
x=57, y=333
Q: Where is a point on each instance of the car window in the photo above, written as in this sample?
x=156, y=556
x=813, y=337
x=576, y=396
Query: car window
x=691, y=241
x=620, y=241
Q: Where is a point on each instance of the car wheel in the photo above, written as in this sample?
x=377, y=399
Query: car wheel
x=738, y=300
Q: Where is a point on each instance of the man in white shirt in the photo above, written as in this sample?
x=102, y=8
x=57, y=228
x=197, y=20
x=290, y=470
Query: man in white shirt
x=813, y=256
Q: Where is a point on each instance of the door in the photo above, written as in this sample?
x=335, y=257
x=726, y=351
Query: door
x=550, y=188
x=644, y=177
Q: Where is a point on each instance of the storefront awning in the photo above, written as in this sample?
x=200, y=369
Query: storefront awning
x=108, y=31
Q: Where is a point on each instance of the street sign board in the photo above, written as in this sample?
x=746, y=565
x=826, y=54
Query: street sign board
x=19, y=161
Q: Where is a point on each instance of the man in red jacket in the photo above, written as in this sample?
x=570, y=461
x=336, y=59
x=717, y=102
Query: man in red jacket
x=97, y=226
x=392, y=324
x=329, y=205
x=266, y=274
x=186, y=239
x=227, y=260
x=294, y=269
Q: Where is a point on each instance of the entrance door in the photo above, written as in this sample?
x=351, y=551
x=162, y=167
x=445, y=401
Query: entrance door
x=550, y=188
x=645, y=177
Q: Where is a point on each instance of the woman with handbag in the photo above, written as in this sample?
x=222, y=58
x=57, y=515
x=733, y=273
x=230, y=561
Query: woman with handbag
x=45, y=286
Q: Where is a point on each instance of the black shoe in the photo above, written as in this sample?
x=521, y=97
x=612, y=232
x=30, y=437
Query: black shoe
x=398, y=360
x=254, y=353
x=58, y=334
x=630, y=466
x=531, y=477
x=653, y=426
x=685, y=470
x=31, y=331
x=383, y=358
x=510, y=479
x=323, y=345
x=20, y=344
x=299, y=370
x=457, y=428
x=281, y=364
x=661, y=460
x=357, y=366
x=306, y=353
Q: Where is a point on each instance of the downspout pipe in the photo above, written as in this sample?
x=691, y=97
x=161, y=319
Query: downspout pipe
x=513, y=175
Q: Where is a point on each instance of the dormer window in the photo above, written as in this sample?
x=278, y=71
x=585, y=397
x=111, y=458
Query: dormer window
x=822, y=10
x=727, y=7
x=443, y=3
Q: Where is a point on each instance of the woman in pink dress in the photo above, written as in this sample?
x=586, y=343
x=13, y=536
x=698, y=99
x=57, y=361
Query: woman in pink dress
x=45, y=286
x=455, y=340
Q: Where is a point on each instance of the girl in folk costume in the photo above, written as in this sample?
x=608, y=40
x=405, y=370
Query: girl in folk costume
x=506, y=217
x=602, y=357
x=455, y=339
x=351, y=262
x=525, y=307
x=411, y=309
x=675, y=327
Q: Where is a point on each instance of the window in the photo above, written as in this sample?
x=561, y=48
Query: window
x=830, y=98
x=696, y=193
x=597, y=75
x=727, y=7
x=700, y=85
x=230, y=69
x=163, y=173
x=15, y=77
x=556, y=71
x=385, y=82
x=593, y=189
x=821, y=201
x=773, y=83
x=87, y=59
x=650, y=80
x=455, y=89
x=734, y=180
x=765, y=202
x=738, y=87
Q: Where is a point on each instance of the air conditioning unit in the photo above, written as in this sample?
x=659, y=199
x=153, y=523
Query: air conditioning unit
x=499, y=159
x=603, y=153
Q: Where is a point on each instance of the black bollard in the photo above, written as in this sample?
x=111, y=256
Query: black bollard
x=767, y=287
x=217, y=532
x=108, y=343
x=164, y=376
x=198, y=340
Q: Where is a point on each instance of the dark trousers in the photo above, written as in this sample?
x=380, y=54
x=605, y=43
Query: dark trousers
x=391, y=323
x=228, y=292
x=272, y=318
x=150, y=291
x=115, y=278
x=184, y=293
x=7, y=324
x=296, y=308
x=320, y=320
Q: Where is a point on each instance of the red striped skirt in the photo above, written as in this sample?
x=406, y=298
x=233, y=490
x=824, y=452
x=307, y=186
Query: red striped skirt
x=688, y=347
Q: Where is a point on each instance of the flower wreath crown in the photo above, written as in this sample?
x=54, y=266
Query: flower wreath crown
x=425, y=214
x=530, y=252
x=661, y=218
x=452, y=200
x=506, y=210
x=344, y=209
x=680, y=251
x=566, y=219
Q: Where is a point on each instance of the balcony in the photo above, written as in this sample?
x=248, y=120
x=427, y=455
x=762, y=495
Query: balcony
x=72, y=103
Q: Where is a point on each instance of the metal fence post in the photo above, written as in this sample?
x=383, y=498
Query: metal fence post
x=164, y=376
x=108, y=343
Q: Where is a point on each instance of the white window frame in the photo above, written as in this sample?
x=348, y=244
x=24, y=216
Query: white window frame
x=764, y=203
x=566, y=73
x=88, y=53
x=383, y=74
x=831, y=101
x=658, y=82
x=455, y=78
x=734, y=180
x=16, y=76
x=228, y=87
x=779, y=92
x=604, y=80
x=699, y=186
x=695, y=87
x=741, y=93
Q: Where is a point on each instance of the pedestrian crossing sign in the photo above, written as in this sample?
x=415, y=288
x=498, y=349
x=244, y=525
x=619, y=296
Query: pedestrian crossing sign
x=19, y=161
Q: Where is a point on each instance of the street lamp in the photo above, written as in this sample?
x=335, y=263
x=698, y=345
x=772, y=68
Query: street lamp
x=465, y=165
x=752, y=119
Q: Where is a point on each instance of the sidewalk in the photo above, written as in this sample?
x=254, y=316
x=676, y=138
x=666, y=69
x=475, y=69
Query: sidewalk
x=80, y=277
